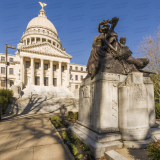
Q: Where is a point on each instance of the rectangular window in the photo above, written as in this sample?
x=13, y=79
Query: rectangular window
x=81, y=68
x=36, y=65
x=55, y=82
x=76, y=86
x=70, y=67
x=62, y=68
x=46, y=81
x=37, y=81
x=2, y=69
x=3, y=84
x=54, y=67
x=11, y=83
x=70, y=76
x=86, y=69
x=11, y=59
x=3, y=59
x=27, y=64
x=76, y=68
x=81, y=77
x=45, y=66
x=11, y=71
x=76, y=77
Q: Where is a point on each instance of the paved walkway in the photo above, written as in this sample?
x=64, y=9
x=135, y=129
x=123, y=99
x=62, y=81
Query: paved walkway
x=30, y=137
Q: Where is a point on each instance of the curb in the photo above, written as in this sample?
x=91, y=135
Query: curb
x=64, y=145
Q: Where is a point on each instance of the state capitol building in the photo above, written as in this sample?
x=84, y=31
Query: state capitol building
x=40, y=59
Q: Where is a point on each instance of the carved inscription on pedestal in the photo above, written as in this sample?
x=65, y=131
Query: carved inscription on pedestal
x=139, y=93
x=137, y=78
x=87, y=92
x=139, y=115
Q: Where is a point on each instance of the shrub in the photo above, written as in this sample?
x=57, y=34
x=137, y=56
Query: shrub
x=71, y=115
x=153, y=150
x=76, y=116
x=6, y=97
x=57, y=121
x=79, y=156
x=157, y=110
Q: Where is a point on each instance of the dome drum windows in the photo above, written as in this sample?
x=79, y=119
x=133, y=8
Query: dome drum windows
x=43, y=40
x=32, y=40
x=37, y=40
x=28, y=40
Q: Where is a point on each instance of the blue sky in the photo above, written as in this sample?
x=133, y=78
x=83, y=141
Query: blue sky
x=77, y=22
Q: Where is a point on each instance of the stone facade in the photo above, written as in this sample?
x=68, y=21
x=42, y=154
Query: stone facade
x=40, y=59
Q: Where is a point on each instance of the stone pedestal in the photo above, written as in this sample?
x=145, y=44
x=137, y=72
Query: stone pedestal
x=16, y=91
x=97, y=124
x=98, y=109
x=150, y=102
x=115, y=111
x=133, y=108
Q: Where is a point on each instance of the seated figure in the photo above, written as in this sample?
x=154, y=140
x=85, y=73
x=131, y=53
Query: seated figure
x=140, y=63
x=108, y=55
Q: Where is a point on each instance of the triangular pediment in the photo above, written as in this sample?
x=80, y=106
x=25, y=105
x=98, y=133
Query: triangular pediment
x=45, y=48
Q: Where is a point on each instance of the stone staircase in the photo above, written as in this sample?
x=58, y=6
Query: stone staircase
x=43, y=99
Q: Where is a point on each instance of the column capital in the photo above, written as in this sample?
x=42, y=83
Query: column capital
x=59, y=61
x=32, y=57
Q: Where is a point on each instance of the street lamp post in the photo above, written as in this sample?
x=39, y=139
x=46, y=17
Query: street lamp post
x=7, y=62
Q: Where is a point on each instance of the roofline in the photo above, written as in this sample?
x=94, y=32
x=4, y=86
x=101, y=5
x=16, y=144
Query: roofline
x=78, y=64
x=7, y=54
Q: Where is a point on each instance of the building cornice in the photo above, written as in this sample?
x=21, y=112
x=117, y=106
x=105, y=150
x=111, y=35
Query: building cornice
x=78, y=71
x=10, y=63
x=25, y=49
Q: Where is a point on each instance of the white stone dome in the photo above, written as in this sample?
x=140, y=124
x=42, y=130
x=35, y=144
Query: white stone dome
x=41, y=22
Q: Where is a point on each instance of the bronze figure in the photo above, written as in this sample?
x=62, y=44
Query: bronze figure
x=109, y=55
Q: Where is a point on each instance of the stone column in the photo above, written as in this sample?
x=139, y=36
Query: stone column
x=51, y=74
x=29, y=40
x=32, y=71
x=42, y=73
x=68, y=75
x=40, y=39
x=22, y=71
x=60, y=75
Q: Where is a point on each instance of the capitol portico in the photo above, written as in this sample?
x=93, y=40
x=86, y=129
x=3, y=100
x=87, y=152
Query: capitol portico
x=40, y=58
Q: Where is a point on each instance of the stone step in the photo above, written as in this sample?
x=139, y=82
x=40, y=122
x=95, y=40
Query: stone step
x=113, y=155
x=155, y=130
x=98, y=137
x=97, y=148
x=136, y=144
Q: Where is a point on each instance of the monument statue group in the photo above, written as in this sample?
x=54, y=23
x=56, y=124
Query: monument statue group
x=109, y=55
x=116, y=105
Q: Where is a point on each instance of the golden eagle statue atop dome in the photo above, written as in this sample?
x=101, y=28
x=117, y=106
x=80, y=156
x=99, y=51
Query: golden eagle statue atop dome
x=42, y=4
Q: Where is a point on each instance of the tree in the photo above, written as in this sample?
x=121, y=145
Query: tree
x=150, y=48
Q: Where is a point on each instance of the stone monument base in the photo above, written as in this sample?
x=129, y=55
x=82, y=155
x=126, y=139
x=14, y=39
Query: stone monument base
x=97, y=143
x=155, y=135
x=116, y=110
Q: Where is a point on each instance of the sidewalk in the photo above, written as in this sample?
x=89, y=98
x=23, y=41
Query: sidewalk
x=30, y=137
